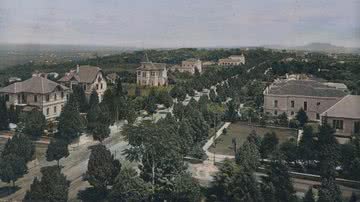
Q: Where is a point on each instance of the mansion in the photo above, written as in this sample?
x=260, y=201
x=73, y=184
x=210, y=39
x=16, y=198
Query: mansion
x=37, y=93
x=88, y=77
x=233, y=60
x=151, y=74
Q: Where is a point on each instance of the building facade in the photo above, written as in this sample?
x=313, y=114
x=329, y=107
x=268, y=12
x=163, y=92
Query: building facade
x=344, y=116
x=233, y=60
x=151, y=74
x=88, y=77
x=190, y=65
x=290, y=95
x=37, y=93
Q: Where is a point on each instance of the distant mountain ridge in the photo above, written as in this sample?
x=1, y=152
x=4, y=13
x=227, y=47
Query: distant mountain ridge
x=318, y=47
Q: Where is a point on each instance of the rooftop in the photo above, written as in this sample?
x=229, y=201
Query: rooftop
x=85, y=74
x=348, y=107
x=304, y=88
x=36, y=85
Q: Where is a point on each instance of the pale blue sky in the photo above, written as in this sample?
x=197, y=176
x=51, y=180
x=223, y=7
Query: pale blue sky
x=180, y=23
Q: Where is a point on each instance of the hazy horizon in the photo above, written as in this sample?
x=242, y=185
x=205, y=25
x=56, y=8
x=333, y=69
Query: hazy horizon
x=170, y=23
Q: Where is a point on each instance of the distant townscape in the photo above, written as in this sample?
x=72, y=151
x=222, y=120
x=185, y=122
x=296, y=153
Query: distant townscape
x=250, y=124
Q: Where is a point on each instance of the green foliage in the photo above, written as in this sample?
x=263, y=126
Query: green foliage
x=70, y=122
x=248, y=156
x=185, y=188
x=353, y=197
x=102, y=168
x=283, y=120
x=329, y=191
x=178, y=92
x=212, y=95
x=289, y=150
x=79, y=95
x=56, y=150
x=268, y=144
x=94, y=99
x=102, y=122
x=329, y=149
x=231, y=114
x=12, y=167
x=309, y=196
x=302, y=117
x=307, y=147
x=278, y=177
x=4, y=118
x=34, y=123
x=21, y=146
x=129, y=187
x=53, y=186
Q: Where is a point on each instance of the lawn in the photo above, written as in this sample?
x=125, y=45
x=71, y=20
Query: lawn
x=240, y=131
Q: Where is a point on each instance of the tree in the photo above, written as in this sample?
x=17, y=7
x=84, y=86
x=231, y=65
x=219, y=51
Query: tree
x=283, y=120
x=307, y=151
x=289, y=150
x=309, y=196
x=268, y=144
x=212, y=95
x=21, y=146
x=101, y=129
x=248, y=156
x=53, y=187
x=329, y=149
x=185, y=189
x=12, y=167
x=13, y=114
x=70, y=122
x=137, y=91
x=129, y=187
x=102, y=168
x=231, y=114
x=254, y=138
x=329, y=191
x=94, y=99
x=353, y=197
x=278, y=177
x=150, y=104
x=302, y=117
x=222, y=179
x=79, y=94
x=4, y=118
x=56, y=150
x=34, y=123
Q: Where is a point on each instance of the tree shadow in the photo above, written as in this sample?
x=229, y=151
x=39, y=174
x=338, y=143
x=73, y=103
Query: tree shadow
x=92, y=195
x=8, y=190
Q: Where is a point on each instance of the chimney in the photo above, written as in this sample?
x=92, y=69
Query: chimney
x=77, y=68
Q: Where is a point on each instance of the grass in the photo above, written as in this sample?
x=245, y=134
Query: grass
x=240, y=131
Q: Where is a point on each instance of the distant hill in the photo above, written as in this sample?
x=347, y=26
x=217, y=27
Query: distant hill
x=319, y=47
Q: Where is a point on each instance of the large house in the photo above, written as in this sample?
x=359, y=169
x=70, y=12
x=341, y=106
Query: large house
x=37, y=93
x=233, y=60
x=151, y=74
x=290, y=95
x=88, y=77
x=190, y=65
x=344, y=116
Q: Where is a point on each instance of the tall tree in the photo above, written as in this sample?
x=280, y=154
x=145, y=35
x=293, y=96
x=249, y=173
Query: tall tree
x=353, y=197
x=4, y=118
x=80, y=96
x=278, y=177
x=329, y=191
x=307, y=151
x=102, y=168
x=231, y=114
x=53, y=187
x=102, y=130
x=289, y=150
x=185, y=188
x=212, y=95
x=12, y=167
x=70, y=122
x=268, y=144
x=248, y=156
x=302, y=117
x=20, y=145
x=329, y=149
x=94, y=99
x=57, y=150
x=129, y=187
x=309, y=196
x=34, y=123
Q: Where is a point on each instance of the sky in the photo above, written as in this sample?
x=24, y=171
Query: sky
x=180, y=23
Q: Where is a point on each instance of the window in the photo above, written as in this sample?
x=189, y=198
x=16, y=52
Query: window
x=292, y=103
x=292, y=112
x=62, y=95
x=55, y=96
x=97, y=86
x=275, y=112
x=35, y=98
x=139, y=73
x=144, y=74
x=305, y=106
x=101, y=86
x=19, y=98
x=318, y=103
x=357, y=127
x=47, y=98
x=7, y=98
x=152, y=73
x=275, y=103
x=84, y=87
x=317, y=116
x=47, y=111
x=338, y=124
x=54, y=109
